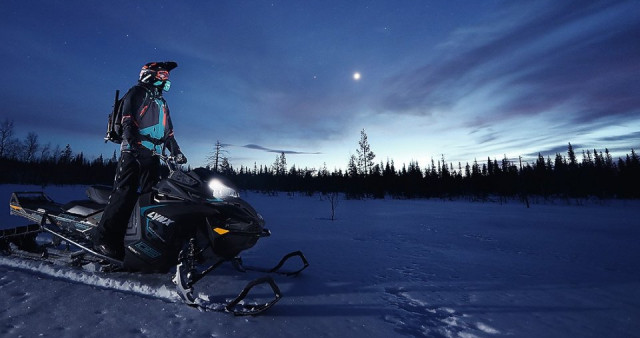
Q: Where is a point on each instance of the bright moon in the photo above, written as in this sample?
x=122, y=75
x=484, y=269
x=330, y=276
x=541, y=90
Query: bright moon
x=356, y=76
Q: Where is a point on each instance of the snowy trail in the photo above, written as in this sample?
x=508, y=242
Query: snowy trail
x=123, y=282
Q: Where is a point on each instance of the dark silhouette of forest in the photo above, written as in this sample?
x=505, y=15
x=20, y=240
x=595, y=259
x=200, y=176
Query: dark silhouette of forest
x=65, y=169
x=595, y=174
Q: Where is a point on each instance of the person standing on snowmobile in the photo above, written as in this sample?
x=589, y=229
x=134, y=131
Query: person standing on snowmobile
x=146, y=129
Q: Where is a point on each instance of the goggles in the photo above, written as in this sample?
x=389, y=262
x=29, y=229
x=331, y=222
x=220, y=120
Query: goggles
x=162, y=75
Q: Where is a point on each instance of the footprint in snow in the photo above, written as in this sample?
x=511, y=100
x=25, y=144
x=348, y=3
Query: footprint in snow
x=415, y=317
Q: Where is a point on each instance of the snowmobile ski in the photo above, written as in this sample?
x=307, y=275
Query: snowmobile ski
x=236, y=306
x=238, y=264
x=187, y=275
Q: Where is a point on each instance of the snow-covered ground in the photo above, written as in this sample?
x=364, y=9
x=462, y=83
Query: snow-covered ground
x=384, y=268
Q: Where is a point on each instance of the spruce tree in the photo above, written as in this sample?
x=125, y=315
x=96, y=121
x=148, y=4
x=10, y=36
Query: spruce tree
x=572, y=156
x=65, y=156
x=365, y=155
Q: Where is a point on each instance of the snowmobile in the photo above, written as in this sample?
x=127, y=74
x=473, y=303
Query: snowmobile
x=193, y=221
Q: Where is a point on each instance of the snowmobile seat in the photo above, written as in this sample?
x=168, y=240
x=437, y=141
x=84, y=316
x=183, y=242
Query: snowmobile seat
x=99, y=193
x=82, y=207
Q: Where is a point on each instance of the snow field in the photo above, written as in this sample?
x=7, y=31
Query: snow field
x=384, y=268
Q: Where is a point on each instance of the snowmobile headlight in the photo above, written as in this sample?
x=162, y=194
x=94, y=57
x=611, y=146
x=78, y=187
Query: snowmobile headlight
x=221, y=190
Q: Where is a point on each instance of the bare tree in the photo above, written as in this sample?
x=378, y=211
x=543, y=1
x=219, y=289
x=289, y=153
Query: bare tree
x=45, y=151
x=334, y=200
x=31, y=147
x=6, y=137
x=215, y=159
x=55, y=154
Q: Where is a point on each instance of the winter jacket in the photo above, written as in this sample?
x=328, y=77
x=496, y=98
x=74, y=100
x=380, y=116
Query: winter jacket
x=146, y=123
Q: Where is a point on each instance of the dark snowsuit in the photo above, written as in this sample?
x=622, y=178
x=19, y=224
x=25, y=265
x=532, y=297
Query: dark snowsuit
x=147, y=128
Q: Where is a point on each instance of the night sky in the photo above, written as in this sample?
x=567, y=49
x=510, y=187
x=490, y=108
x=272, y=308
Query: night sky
x=463, y=79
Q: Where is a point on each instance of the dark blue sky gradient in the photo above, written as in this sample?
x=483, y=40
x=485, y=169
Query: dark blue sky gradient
x=463, y=79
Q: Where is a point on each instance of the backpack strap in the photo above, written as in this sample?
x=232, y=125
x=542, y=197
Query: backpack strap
x=149, y=95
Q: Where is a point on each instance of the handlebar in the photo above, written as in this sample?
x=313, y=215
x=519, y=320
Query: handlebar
x=169, y=160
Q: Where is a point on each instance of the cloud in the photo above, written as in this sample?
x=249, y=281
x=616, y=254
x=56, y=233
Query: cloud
x=278, y=151
x=627, y=137
x=552, y=151
x=581, y=56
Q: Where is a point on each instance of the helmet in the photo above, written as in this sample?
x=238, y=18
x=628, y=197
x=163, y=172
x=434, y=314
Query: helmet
x=157, y=73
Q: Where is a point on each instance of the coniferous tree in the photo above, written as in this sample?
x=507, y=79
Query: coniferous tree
x=66, y=154
x=608, y=160
x=635, y=160
x=505, y=164
x=323, y=172
x=572, y=157
x=352, y=167
x=225, y=167
x=99, y=161
x=280, y=165
x=475, y=169
x=445, y=173
x=365, y=155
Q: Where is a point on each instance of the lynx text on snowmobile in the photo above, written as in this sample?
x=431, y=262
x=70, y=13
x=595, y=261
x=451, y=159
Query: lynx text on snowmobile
x=192, y=222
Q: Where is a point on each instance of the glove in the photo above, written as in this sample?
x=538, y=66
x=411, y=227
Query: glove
x=181, y=159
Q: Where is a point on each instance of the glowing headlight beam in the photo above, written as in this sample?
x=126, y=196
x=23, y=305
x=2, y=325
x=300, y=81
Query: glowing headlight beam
x=221, y=190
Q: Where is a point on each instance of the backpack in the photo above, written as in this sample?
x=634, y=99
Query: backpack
x=114, y=123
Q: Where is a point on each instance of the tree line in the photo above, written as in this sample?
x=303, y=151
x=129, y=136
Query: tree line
x=28, y=161
x=596, y=173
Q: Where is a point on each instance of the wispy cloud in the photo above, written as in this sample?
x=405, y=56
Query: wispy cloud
x=581, y=55
x=278, y=151
x=633, y=137
x=551, y=152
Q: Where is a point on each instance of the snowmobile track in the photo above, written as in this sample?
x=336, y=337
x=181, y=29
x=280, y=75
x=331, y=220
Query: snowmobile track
x=151, y=287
